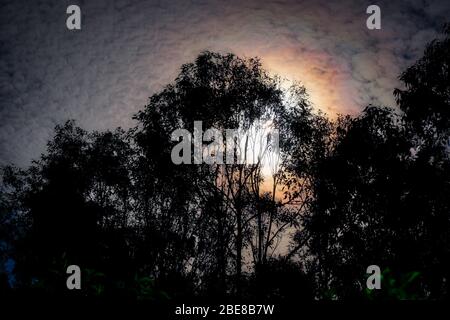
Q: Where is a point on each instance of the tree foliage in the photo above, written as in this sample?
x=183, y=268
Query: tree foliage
x=343, y=194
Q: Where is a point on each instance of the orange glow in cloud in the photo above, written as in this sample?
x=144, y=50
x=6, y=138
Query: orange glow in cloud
x=327, y=82
x=323, y=79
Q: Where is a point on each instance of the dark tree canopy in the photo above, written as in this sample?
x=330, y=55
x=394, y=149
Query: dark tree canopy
x=343, y=194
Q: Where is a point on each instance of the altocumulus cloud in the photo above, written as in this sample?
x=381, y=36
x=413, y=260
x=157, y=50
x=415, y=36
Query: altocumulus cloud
x=129, y=49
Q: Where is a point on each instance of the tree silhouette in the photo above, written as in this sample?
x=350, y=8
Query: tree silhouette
x=301, y=222
x=224, y=92
x=381, y=191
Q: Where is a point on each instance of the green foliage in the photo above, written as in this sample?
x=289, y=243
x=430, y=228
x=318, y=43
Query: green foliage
x=400, y=287
x=146, y=290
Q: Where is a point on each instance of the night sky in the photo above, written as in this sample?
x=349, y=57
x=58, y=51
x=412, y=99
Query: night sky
x=127, y=50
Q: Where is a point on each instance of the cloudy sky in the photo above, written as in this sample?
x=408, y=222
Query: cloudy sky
x=129, y=49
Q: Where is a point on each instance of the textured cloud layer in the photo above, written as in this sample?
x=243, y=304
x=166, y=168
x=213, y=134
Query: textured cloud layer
x=128, y=50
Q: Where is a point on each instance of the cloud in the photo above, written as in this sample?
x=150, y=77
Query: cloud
x=127, y=50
